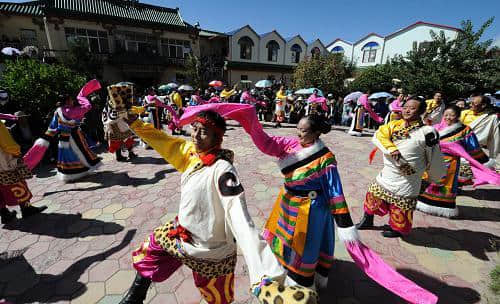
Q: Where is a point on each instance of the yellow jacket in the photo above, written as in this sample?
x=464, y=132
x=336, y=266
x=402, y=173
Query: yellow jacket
x=280, y=95
x=226, y=94
x=7, y=143
x=178, y=152
x=176, y=98
x=468, y=116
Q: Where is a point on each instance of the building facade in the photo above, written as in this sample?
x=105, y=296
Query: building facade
x=375, y=49
x=137, y=42
x=253, y=57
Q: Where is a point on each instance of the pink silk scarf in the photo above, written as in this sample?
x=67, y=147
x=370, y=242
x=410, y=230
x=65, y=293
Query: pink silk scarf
x=370, y=262
x=8, y=116
x=363, y=100
x=482, y=174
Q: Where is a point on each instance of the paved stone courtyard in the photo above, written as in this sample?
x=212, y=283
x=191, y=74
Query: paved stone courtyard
x=78, y=251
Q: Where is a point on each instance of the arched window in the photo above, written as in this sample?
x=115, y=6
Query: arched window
x=338, y=49
x=246, y=45
x=296, y=51
x=370, y=51
x=272, y=51
x=315, y=52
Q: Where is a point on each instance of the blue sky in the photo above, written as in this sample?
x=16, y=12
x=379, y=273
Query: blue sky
x=330, y=19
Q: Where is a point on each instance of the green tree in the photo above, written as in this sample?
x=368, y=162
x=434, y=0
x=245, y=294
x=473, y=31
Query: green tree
x=193, y=71
x=80, y=59
x=33, y=87
x=327, y=72
x=375, y=79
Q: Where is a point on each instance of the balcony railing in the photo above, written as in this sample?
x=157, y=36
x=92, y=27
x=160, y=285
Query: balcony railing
x=139, y=58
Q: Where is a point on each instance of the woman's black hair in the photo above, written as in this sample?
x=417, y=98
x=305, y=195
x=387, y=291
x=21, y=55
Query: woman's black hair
x=318, y=123
x=218, y=120
x=455, y=109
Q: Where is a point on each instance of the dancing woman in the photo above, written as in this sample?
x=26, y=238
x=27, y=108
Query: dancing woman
x=409, y=149
x=300, y=229
x=212, y=219
x=74, y=158
x=456, y=140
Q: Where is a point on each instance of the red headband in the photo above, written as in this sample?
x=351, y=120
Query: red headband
x=210, y=123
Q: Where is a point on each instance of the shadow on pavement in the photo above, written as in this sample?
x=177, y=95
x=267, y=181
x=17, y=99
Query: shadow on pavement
x=148, y=160
x=475, y=242
x=478, y=214
x=109, y=179
x=63, y=226
x=482, y=194
x=348, y=284
x=446, y=293
x=19, y=276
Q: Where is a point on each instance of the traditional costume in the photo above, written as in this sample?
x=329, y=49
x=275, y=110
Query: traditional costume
x=300, y=229
x=434, y=112
x=397, y=186
x=74, y=159
x=357, y=123
x=212, y=219
x=118, y=135
x=486, y=126
x=14, y=190
x=439, y=198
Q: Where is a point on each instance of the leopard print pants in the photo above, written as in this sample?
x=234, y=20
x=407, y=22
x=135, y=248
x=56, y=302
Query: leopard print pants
x=207, y=268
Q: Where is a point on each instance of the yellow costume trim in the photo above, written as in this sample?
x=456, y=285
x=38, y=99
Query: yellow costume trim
x=7, y=143
x=468, y=116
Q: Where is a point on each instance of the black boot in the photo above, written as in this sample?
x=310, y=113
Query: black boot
x=119, y=156
x=138, y=291
x=366, y=222
x=30, y=210
x=131, y=154
x=7, y=216
x=391, y=234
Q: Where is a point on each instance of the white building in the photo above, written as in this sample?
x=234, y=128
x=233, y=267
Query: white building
x=266, y=56
x=375, y=49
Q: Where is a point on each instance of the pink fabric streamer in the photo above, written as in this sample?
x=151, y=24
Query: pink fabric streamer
x=34, y=156
x=8, y=117
x=321, y=100
x=375, y=267
x=363, y=100
x=245, y=114
x=482, y=174
x=395, y=106
x=77, y=112
x=174, y=124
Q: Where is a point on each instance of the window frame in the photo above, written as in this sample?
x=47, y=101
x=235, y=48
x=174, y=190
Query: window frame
x=88, y=35
x=246, y=45
x=296, y=53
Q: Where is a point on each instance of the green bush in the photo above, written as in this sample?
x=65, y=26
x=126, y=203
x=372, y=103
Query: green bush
x=495, y=280
x=327, y=72
x=33, y=87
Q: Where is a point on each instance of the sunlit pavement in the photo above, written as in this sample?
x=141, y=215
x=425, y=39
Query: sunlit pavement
x=79, y=249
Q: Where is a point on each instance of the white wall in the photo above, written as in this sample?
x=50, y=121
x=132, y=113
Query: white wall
x=358, y=53
x=402, y=43
x=317, y=44
x=288, y=53
x=235, y=47
x=346, y=46
x=263, y=49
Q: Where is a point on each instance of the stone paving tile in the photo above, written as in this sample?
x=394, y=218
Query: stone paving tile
x=64, y=258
